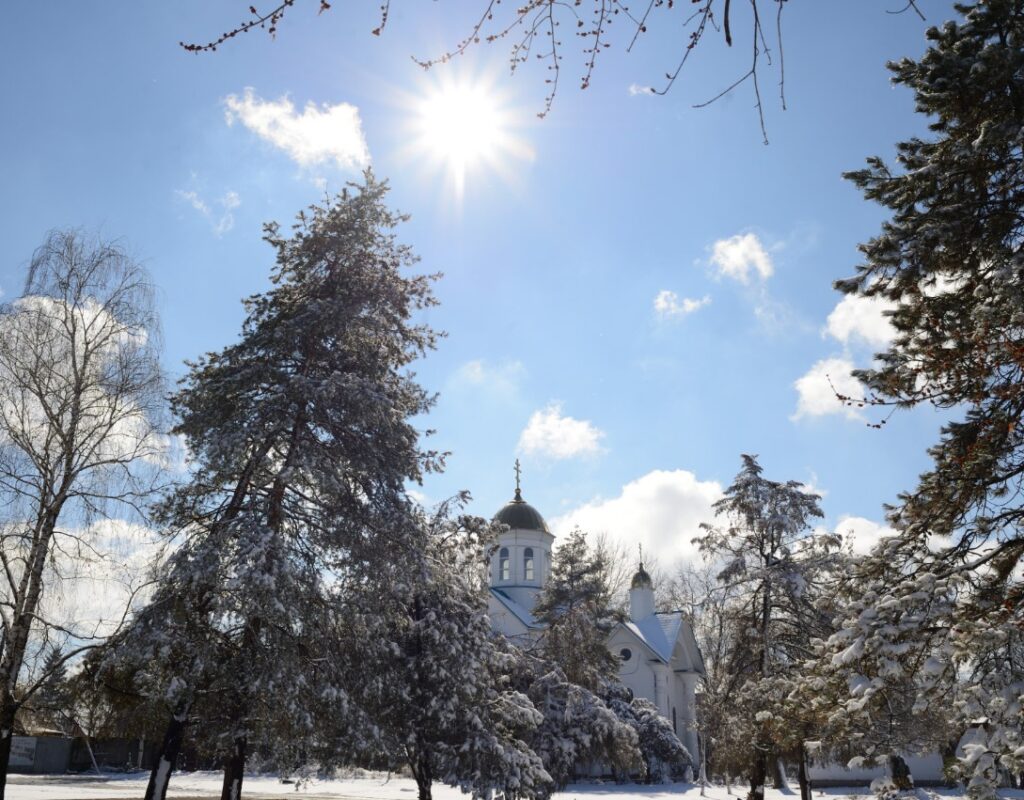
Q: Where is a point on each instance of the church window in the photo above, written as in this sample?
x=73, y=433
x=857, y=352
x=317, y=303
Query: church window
x=503, y=564
x=528, y=563
x=674, y=729
x=625, y=654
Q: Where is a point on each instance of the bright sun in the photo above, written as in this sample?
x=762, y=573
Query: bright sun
x=463, y=127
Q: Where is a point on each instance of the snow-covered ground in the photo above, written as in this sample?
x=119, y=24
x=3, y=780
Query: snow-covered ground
x=208, y=784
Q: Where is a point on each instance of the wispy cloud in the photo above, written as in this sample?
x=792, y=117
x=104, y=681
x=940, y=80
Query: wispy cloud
x=550, y=434
x=668, y=304
x=740, y=256
x=219, y=213
x=478, y=378
x=325, y=134
x=636, y=88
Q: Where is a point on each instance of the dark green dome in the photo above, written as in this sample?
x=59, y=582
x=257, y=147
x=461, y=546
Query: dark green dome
x=520, y=514
x=642, y=579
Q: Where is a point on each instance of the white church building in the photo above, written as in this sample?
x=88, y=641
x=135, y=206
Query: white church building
x=658, y=655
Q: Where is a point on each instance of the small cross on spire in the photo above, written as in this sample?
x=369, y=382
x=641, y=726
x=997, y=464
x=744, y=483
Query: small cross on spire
x=518, y=471
x=640, y=547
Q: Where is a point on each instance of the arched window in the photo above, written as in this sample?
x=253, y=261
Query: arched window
x=674, y=729
x=528, y=564
x=503, y=564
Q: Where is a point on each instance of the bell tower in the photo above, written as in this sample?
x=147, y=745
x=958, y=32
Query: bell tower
x=520, y=565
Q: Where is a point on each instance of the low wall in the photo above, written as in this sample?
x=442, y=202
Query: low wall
x=40, y=754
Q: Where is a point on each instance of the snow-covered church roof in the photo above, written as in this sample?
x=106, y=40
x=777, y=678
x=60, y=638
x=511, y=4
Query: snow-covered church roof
x=660, y=632
x=516, y=609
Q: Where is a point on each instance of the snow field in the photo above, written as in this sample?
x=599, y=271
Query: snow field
x=208, y=784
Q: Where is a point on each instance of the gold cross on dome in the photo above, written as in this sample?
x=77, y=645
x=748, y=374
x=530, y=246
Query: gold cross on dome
x=518, y=472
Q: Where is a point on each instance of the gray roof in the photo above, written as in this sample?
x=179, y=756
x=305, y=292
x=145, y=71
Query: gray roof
x=518, y=611
x=520, y=514
x=660, y=631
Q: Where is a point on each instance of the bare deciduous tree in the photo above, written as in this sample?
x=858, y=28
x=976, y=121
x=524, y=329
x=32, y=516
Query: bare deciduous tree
x=80, y=449
x=535, y=31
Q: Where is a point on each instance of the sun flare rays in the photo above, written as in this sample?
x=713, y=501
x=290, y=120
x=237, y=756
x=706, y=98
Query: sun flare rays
x=460, y=128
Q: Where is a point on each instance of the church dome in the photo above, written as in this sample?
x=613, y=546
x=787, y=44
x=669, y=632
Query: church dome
x=520, y=514
x=642, y=580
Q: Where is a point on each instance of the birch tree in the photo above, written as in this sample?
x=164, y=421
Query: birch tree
x=80, y=402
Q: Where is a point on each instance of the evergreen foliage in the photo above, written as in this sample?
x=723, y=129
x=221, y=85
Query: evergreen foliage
x=430, y=675
x=775, y=563
x=302, y=444
x=578, y=728
x=940, y=609
x=576, y=610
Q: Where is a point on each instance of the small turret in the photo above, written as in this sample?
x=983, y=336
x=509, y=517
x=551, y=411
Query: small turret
x=641, y=595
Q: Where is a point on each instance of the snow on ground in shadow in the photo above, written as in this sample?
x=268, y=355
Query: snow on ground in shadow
x=208, y=784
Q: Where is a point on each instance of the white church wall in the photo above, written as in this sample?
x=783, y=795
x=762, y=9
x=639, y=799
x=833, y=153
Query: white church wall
x=636, y=672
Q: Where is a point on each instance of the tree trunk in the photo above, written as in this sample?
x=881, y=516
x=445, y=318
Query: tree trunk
x=167, y=755
x=900, y=772
x=234, y=769
x=779, y=774
x=424, y=778
x=758, y=773
x=7, y=711
x=803, y=776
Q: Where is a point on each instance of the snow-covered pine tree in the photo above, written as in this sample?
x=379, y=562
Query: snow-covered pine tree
x=949, y=266
x=578, y=727
x=775, y=562
x=302, y=444
x=658, y=743
x=429, y=673
x=575, y=608
x=880, y=683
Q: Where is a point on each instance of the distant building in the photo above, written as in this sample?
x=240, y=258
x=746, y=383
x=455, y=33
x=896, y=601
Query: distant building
x=658, y=655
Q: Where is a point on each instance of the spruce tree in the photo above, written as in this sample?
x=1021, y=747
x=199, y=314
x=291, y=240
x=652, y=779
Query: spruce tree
x=949, y=263
x=775, y=563
x=302, y=443
x=431, y=676
x=575, y=608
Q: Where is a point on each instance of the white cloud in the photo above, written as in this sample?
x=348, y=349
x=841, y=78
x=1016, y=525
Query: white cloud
x=864, y=318
x=550, y=434
x=861, y=533
x=811, y=486
x=97, y=574
x=740, y=255
x=668, y=304
x=319, y=135
x=636, y=88
x=661, y=510
x=504, y=376
x=221, y=222
x=817, y=390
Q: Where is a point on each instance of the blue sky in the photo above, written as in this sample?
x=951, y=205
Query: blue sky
x=631, y=299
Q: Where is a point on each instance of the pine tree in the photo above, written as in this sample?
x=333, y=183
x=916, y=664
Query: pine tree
x=577, y=726
x=52, y=700
x=659, y=746
x=302, y=446
x=431, y=676
x=949, y=264
x=774, y=562
x=575, y=608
